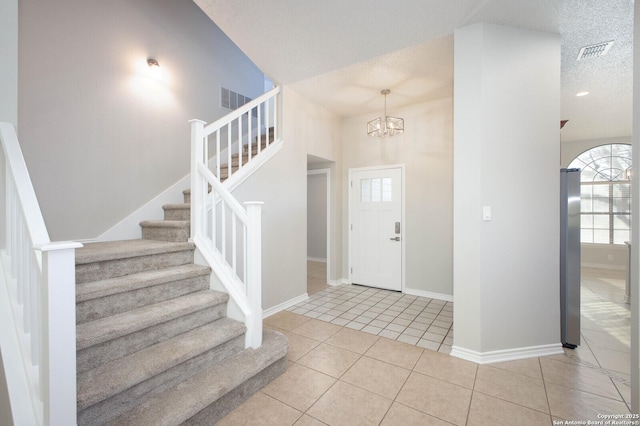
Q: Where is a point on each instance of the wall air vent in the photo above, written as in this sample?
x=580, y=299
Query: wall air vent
x=231, y=100
x=594, y=51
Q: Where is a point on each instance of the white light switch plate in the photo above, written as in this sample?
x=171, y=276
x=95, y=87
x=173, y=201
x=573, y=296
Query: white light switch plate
x=486, y=213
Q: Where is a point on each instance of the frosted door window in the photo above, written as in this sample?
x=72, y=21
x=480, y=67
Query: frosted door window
x=365, y=190
x=376, y=190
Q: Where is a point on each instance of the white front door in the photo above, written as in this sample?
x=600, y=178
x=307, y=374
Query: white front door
x=376, y=228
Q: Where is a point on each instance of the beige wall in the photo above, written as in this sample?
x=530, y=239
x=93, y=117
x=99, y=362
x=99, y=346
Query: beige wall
x=321, y=133
x=99, y=137
x=426, y=150
x=282, y=185
x=9, y=61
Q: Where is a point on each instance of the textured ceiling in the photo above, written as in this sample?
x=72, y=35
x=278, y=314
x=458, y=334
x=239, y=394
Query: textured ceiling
x=342, y=53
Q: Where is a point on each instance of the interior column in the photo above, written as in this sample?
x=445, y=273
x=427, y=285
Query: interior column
x=506, y=193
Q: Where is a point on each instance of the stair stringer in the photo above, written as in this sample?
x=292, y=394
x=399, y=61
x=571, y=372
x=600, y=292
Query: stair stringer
x=129, y=227
x=237, y=306
x=255, y=164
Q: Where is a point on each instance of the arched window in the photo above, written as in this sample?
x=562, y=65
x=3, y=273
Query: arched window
x=605, y=199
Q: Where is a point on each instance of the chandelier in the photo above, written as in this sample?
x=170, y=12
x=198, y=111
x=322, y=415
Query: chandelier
x=387, y=126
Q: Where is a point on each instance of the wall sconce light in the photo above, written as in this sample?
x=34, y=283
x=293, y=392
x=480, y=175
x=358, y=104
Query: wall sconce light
x=154, y=69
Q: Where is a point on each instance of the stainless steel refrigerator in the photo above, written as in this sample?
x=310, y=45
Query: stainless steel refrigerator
x=570, y=257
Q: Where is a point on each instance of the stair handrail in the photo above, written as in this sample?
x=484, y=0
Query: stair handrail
x=236, y=260
x=265, y=109
x=39, y=344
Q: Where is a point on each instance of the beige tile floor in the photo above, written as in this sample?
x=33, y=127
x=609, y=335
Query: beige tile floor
x=342, y=376
x=420, y=321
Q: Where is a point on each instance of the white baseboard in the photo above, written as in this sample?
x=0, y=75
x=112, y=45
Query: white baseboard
x=506, y=354
x=339, y=281
x=422, y=293
x=317, y=259
x=284, y=305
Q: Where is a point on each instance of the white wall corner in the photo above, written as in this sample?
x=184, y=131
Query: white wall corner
x=339, y=281
x=284, y=305
x=429, y=294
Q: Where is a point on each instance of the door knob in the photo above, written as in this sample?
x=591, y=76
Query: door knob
x=395, y=238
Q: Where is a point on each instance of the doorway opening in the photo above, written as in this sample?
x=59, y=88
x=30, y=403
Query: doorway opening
x=605, y=212
x=318, y=229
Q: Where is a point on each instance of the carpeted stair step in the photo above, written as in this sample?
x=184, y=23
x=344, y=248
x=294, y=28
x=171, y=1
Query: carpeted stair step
x=166, y=230
x=116, y=387
x=187, y=193
x=99, y=299
x=177, y=211
x=254, y=147
x=106, y=339
x=263, y=136
x=211, y=394
x=224, y=172
x=100, y=261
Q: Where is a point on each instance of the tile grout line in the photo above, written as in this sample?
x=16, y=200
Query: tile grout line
x=546, y=394
x=473, y=391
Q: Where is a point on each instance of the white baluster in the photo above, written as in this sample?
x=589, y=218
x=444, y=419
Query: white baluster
x=25, y=279
x=259, y=137
x=36, y=332
x=275, y=118
x=214, y=224
x=18, y=255
x=267, y=120
x=233, y=243
x=218, y=153
x=254, y=273
x=240, y=134
x=244, y=256
x=223, y=229
x=229, y=131
x=249, y=134
x=205, y=147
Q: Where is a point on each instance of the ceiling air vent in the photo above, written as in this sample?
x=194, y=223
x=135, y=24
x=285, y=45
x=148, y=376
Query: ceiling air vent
x=595, y=50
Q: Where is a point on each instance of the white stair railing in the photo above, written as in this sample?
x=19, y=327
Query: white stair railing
x=40, y=291
x=240, y=136
x=227, y=235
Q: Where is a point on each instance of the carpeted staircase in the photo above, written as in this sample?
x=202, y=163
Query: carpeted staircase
x=154, y=345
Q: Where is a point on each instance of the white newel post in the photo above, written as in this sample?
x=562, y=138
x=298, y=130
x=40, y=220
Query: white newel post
x=197, y=157
x=275, y=118
x=58, y=326
x=254, y=273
